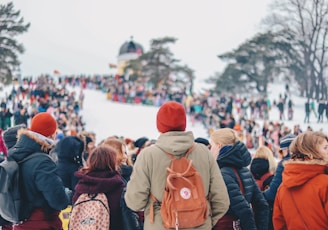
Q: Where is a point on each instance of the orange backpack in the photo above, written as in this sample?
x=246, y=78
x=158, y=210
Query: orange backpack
x=184, y=204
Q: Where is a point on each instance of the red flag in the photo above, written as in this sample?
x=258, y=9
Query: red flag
x=112, y=66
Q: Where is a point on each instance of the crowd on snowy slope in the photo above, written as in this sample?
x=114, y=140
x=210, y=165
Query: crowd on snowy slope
x=213, y=111
x=218, y=111
x=24, y=101
x=245, y=192
x=79, y=166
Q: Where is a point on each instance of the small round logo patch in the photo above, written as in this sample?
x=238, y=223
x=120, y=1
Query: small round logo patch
x=185, y=193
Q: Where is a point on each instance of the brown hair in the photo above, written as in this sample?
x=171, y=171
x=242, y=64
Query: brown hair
x=225, y=136
x=83, y=136
x=266, y=153
x=305, y=146
x=118, y=145
x=101, y=158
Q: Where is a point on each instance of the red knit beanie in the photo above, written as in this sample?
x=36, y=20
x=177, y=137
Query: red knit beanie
x=171, y=116
x=44, y=124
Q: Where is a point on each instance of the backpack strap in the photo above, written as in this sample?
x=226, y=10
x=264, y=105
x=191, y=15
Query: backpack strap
x=239, y=180
x=298, y=211
x=154, y=201
x=265, y=176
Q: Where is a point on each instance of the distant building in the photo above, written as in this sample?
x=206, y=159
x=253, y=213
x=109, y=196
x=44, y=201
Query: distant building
x=129, y=50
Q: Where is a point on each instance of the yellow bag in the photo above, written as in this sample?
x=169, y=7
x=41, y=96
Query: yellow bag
x=64, y=216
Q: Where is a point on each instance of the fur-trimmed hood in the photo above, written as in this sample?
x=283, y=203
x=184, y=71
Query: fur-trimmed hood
x=29, y=142
x=297, y=173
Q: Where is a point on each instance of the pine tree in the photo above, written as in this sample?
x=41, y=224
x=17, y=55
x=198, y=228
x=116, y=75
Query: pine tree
x=11, y=25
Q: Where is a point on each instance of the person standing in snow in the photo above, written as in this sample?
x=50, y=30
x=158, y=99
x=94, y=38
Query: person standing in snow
x=307, y=111
x=248, y=209
x=42, y=189
x=301, y=201
x=149, y=171
x=321, y=109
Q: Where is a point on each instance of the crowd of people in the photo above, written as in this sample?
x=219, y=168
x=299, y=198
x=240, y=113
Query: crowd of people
x=242, y=190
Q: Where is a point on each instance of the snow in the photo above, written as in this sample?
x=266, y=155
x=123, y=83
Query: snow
x=107, y=118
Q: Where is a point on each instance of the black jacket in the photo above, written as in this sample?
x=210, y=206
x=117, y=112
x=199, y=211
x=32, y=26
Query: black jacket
x=251, y=208
x=69, y=153
x=130, y=218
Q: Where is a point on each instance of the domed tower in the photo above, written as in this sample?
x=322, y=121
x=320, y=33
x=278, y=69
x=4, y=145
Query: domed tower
x=129, y=50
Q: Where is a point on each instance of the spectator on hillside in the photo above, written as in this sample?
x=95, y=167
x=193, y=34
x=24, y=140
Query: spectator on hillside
x=297, y=130
x=290, y=109
x=149, y=172
x=42, y=189
x=270, y=193
x=301, y=201
x=307, y=111
x=281, y=107
x=263, y=167
x=321, y=109
x=10, y=139
x=248, y=209
x=132, y=220
x=312, y=107
x=69, y=152
x=21, y=117
x=203, y=141
x=327, y=110
x=140, y=144
x=100, y=175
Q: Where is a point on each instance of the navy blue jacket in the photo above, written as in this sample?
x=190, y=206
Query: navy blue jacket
x=251, y=208
x=69, y=152
x=270, y=193
x=41, y=186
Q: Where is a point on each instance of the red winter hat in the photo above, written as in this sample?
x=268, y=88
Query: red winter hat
x=171, y=116
x=44, y=124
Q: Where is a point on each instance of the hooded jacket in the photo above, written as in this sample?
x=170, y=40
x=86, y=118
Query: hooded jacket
x=270, y=193
x=250, y=208
x=302, y=198
x=149, y=177
x=41, y=186
x=69, y=151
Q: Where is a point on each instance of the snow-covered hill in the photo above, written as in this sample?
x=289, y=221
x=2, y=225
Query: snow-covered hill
x=107, y=118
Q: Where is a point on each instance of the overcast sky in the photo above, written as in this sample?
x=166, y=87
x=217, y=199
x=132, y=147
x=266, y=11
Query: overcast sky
x=84, y=36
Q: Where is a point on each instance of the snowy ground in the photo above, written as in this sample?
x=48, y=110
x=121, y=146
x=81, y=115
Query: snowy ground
x=107, y=118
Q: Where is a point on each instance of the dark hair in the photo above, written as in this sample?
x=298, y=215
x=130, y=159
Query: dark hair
x=101, y=158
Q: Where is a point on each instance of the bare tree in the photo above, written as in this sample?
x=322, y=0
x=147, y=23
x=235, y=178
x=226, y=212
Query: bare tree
x=306, y=21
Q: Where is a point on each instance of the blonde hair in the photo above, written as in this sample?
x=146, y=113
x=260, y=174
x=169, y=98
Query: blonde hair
x=266, y=153
x=118, y=145
x=225, y=136
x=305, y=146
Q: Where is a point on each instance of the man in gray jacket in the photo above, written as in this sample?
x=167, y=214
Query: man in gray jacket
x=149, y=173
